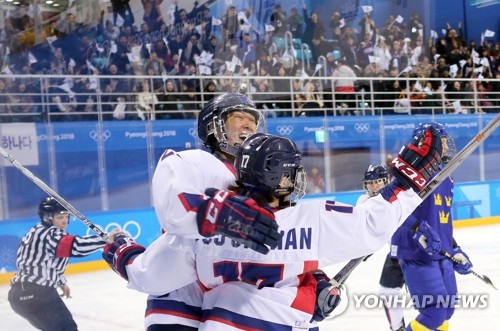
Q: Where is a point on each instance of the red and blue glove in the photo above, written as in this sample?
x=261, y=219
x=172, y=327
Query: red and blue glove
x=465, y=265
x=239, y=218
x=418, y=161
x=121, y=252
x=427, y=238
x=327, y=296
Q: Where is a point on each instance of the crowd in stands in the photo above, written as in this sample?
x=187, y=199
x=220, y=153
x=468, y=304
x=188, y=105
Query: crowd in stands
x=143, y=66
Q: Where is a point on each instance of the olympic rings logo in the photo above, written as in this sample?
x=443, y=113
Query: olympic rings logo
x=284, y=130
x=131, y=229
x=362, y=127
x=105, y=135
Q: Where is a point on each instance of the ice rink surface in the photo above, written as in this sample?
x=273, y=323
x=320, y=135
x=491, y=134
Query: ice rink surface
x=101, y=302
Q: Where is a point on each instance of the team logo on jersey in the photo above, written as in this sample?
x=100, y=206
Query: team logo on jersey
x=438, y=201
x=448, y=200
x=444, y=217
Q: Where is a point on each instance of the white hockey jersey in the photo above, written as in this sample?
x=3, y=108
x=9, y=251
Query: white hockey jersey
x=245, y=289
x=179, y=183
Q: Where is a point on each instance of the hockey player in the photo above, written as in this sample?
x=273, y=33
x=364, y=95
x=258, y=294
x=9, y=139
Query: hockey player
x=180, y=178
x=391, y=278
x=269, y=170
x=376, y=177
x=42, y=259
x=427, y=272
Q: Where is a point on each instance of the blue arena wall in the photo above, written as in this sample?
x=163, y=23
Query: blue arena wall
x=117, y=158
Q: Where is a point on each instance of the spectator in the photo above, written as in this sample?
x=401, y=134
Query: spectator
x=415, y=28
x=315, y=181
x=295, y=23
x=314, y=27
x=344, y=88
x=231, y=25
x=122, y=8
x=146, y=101
x=5, y=103
x=152, y=14
x=278, y=20
x=335, y=25
x=167, y=107
x=155, y=64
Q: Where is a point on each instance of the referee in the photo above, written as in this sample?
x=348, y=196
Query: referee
x=42, y=258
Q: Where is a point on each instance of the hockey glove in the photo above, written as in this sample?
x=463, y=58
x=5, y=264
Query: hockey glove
x=418, y=161
x=239, y=218
x=465, y=266
x=427, y=238
x=121, y=252
x=327, y=296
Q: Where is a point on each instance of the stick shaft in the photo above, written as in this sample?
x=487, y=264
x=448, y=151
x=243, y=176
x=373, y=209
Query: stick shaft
x=47, y=189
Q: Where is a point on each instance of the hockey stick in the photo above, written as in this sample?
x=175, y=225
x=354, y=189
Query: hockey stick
x=484, y=278
x=345, y=272
x=38, y=182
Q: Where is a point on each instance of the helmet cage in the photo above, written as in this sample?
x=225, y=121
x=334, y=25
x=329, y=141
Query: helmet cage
x=218, y=127
x=374, y=181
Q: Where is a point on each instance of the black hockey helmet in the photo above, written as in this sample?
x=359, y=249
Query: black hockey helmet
x=269, y=164
x=211, y=121
x=48, y=207
x=375, y=174
x=443, y=133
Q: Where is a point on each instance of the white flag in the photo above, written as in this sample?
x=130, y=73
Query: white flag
x=119, y=20
x=485, y=62
x=51, y=39
x=31, y=58
x=216, y=21
x=243, y=17
x=489, y=33
x=230, y=66
x=204, y=70
x=341, y=23
x=458, y=107
x=113, y=48
x=399, y=19
x=418, y=87
x=6, y=70
x=367, y=9
x=462, y=62
x=443, y=31
x=72, y=63
x=434, y=34
x=229, y=2
x=453, y=69
x=373, y=59
x=269, y=28
x=236, y=61
x=198, y=29
x=90, y=66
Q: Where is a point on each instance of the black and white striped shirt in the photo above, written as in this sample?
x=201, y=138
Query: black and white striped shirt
x=44, y=252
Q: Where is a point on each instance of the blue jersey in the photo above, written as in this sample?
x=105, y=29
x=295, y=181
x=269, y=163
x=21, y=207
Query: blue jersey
x=436, y=210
